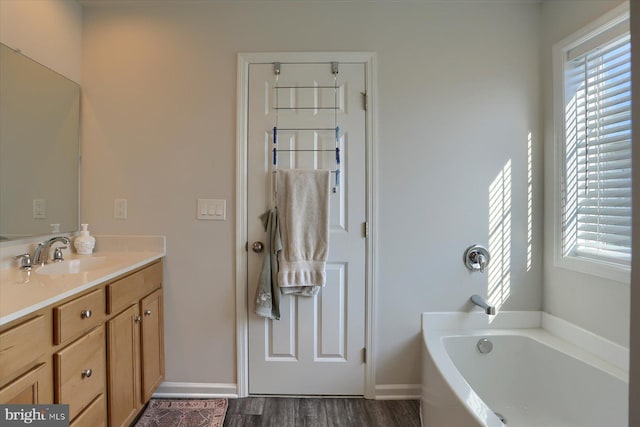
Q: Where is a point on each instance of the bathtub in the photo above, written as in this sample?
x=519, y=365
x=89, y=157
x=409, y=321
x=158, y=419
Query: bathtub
x=541, y=372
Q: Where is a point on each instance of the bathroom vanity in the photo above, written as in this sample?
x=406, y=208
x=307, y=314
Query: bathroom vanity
x=92, y=339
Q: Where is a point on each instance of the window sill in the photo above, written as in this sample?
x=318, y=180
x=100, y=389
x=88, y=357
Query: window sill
x=593, y=267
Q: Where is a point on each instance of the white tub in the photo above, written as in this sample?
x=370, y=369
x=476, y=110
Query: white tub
x=532, y=377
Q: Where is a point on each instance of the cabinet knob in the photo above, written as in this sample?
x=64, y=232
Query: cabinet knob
x=86, y=373
x=147, y=312
x=137, y=319
x=85, y=314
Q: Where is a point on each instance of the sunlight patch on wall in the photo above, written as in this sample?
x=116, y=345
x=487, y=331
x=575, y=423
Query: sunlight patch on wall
x=499, y=281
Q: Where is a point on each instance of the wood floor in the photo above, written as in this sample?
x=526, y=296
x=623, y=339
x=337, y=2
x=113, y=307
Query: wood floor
x=321, y=412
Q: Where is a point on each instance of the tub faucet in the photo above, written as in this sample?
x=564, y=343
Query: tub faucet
x=476, y=258
x=480, y=302
x=41, y=255
x=482, y=262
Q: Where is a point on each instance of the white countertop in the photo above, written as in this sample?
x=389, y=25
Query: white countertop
x=23, y=292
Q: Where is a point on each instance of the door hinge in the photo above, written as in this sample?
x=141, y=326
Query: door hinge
x=364, y=355
x=246, y=246
x=364, y=101
x=334, y=68
x=365, y=229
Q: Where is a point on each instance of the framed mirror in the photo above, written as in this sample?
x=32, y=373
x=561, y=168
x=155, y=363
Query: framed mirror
x=39, y=148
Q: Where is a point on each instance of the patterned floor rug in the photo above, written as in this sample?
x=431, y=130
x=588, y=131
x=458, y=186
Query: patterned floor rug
x=183, y=413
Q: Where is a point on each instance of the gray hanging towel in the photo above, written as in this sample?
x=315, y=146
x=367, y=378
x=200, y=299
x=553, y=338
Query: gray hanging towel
x=267, y=295
x=302, y=197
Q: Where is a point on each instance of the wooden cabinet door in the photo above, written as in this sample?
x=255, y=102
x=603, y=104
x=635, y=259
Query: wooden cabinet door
x=123, y=337
x=34, y=387
x=152, y=343
x=93, y=415
x=23, y=344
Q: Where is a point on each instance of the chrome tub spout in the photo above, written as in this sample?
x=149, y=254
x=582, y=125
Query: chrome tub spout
x=480, y=302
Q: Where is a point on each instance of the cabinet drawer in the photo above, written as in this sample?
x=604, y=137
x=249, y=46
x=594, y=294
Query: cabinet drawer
x=94, y=416
x=128, y=290
x=80, y=371
x=78, y=316
x=24, y=343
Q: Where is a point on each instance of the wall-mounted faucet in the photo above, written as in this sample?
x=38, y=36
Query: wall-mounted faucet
x=480, y=302
x=41, y=255
x=476, y=258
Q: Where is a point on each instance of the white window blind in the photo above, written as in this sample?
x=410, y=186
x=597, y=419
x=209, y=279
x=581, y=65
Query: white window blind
x=597, y=178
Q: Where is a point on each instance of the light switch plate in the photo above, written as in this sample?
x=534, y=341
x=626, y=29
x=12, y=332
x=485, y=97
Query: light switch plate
x=211, y=209
x=39, y=208
x=120, y=208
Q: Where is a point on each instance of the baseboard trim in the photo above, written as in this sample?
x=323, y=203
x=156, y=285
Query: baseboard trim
x=196, y=390
x=184, y=390
x=398, y=391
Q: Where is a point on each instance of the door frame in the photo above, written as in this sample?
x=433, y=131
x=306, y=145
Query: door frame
x=242, y=301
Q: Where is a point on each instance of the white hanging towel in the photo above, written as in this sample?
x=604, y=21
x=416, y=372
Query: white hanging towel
x=302, y=197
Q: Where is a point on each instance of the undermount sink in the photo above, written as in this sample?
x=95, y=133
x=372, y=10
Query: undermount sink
x=71, y=266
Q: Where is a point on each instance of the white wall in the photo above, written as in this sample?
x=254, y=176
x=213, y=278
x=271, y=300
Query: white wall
x=597, y=304
x=457, y=84
x=48, y=31
x=458, y=93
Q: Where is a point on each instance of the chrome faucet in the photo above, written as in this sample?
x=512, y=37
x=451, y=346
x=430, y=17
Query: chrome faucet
x=476, y=258
x=480, y=302
x=481, y=261
x=41, y=255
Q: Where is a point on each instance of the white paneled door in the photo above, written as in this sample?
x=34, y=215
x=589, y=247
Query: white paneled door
x=317, y=346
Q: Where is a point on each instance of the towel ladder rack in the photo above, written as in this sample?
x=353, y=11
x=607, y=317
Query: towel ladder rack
x=336, y=128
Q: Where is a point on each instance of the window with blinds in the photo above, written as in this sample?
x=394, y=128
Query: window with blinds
x=596, y=190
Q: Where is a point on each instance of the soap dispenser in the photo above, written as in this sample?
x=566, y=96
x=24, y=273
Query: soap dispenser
x=84, y=242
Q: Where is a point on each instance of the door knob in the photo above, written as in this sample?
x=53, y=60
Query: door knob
x=257, y=247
